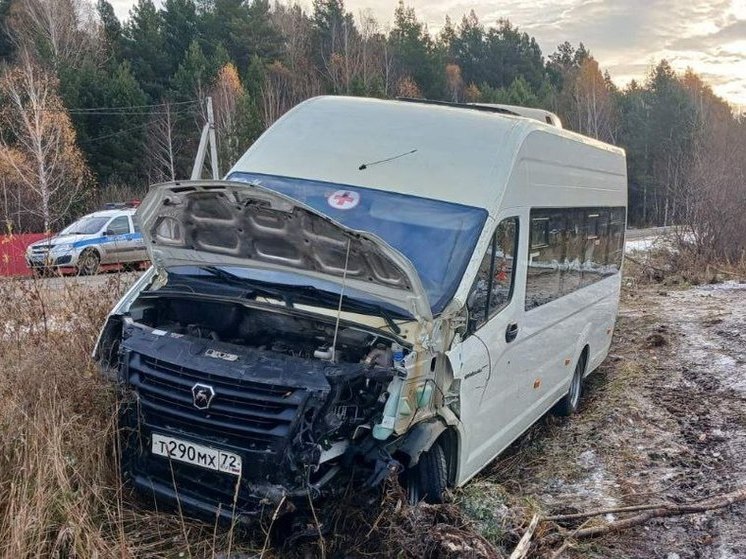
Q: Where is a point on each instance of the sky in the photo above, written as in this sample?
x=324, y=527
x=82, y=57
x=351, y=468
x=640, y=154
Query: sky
x=626, y=36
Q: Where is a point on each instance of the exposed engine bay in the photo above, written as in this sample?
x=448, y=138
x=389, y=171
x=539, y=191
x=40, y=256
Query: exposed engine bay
x=278, y=332
x=293, y=397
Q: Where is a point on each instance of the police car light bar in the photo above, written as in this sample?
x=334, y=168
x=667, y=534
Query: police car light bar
x=122, y=205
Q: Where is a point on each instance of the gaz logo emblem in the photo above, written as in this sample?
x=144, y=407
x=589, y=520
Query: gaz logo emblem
x=202, y=395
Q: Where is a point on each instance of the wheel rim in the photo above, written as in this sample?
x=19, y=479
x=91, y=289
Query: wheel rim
x=89, y=264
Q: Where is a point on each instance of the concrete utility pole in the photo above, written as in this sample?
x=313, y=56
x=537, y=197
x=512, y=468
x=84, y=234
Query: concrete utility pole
x=208, y=136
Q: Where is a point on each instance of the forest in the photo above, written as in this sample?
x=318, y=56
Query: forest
x=93, y=108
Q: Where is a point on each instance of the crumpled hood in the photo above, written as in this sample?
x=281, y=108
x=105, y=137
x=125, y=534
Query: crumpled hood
x=224, y=223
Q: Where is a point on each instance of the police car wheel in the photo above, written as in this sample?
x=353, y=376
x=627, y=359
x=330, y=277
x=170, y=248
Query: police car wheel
x=88, y=263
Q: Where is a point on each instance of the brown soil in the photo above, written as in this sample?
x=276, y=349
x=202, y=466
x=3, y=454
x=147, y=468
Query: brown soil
x=662, y=420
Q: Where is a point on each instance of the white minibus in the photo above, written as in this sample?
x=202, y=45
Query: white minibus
x=376, y=286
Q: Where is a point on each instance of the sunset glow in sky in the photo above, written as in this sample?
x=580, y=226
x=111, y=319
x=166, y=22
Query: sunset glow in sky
x=626, y=37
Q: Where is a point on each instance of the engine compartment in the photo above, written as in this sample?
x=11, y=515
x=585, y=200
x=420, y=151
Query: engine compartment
x=276, y=331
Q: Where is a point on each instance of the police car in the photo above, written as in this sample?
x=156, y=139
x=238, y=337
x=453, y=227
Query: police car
x=110, y=236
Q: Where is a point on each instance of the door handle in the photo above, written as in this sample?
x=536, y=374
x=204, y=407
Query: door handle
x=511, y=332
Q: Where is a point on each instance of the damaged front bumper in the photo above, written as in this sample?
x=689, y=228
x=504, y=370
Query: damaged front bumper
x=282, y=416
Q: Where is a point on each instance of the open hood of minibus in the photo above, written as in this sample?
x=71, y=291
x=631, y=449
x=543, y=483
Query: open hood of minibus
x=225, y=223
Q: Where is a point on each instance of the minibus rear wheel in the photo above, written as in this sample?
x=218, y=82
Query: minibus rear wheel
x=428, y=479
x=569, y=404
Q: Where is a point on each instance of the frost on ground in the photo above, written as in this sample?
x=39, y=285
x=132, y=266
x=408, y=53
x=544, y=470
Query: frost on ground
x=662, y=420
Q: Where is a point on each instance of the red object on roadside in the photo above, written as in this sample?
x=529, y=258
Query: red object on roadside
x=13, y=253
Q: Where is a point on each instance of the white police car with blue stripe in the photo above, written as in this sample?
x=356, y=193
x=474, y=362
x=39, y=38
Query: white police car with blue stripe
x=106, y=237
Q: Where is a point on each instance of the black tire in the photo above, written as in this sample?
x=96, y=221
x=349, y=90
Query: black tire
x=88, y=262
x=428, y=479
x=569, y=404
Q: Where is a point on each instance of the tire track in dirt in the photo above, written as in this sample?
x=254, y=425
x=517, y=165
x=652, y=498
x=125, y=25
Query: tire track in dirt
x=708, y=401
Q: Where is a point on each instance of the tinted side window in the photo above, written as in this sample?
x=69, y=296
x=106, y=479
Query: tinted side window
x=135, y=224
x=572, y=248
x=596, y=225
x=545, y=256
x=493, y=286
x=119, y=226
x=617, y=221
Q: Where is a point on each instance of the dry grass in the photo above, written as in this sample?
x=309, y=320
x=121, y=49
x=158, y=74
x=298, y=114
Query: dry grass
x=676, y=261
x=60, y=494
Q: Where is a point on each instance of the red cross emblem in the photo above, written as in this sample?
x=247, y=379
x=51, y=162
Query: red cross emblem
x=344, y=200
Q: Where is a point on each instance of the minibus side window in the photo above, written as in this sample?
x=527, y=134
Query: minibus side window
x=571, y=248
x=493, y=286
x=616, y=240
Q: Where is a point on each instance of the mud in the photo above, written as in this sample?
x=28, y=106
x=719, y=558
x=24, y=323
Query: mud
x=662, y=420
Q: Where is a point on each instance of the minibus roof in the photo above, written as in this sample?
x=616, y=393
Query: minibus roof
x=455, y=154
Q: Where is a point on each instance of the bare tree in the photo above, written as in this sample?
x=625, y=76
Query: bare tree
x=37, y=126
x=276, y=92
x=54, y=30
x=230, y=103
x=454, y=82
x=594, y=109
x=711, y=197
x=161, y=148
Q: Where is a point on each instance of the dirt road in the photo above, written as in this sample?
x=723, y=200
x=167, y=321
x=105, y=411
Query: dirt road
x=663, y=420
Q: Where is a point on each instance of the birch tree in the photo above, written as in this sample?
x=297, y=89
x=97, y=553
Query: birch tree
x=162, y=148
x=54, y=31
x=36, y=124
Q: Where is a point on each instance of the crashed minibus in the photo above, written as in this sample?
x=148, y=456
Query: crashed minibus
x=387, y=287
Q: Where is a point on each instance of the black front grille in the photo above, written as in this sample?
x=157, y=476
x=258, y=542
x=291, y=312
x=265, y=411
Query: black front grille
x=243, y=414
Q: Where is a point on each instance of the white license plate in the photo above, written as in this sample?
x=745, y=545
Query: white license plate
x=196, y=454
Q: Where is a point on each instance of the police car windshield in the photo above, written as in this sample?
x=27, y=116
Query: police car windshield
x=85, y=226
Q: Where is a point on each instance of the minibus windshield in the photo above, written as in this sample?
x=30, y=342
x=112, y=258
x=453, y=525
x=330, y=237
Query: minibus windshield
x=437, y=237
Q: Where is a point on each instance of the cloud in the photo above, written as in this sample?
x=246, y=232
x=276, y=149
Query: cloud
x=734, y=31
x=626, y=36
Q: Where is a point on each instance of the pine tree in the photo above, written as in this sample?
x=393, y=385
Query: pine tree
x=180, y=27
x=112, y=138
x=111, y=27
x=144, y=47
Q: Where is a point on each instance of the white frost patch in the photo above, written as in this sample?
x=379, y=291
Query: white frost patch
x=54, y=324
x=730, y=285
x=596, y=488
x=640, y=245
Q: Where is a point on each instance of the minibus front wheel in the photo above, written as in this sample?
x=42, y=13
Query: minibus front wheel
x=427, y=480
